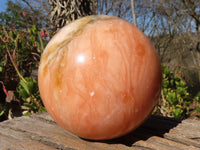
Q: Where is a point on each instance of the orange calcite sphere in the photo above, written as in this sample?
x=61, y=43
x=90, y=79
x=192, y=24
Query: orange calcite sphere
x=99, y=77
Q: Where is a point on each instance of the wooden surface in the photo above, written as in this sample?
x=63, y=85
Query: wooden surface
x=40, y=132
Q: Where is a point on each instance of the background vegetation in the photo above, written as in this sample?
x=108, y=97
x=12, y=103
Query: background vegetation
x=173, y=27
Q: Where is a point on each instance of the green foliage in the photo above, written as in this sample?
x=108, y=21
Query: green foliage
x=21, y=46
x=197, y=97
x=27, y=90
x=25, y=48
x=175, y=98
x=198, y=109
x=2, y=111
x=21, y=16
x=2, y=64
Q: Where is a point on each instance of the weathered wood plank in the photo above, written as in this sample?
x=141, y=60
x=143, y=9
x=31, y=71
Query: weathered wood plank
x=45, y=133
x=163, y=144
x=11, y=139
x=181, y=139
x=49, y=133
x=187, y=132
x=39, y=131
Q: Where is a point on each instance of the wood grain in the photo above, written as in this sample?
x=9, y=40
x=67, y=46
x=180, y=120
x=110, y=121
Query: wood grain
x=40, y=132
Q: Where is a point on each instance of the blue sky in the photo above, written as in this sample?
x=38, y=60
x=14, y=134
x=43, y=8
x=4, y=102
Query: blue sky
x=3, y=5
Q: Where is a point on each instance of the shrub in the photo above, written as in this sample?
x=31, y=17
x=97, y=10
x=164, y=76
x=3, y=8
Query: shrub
x=28, y=92
x=175, y=99
x=20, y=52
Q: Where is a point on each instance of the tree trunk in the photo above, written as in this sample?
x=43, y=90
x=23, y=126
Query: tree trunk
x=63, y=12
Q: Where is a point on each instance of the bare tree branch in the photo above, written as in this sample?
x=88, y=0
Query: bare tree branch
x=133, y=12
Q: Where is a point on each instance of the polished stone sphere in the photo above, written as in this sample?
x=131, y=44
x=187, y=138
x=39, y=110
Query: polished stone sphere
x=99, y=77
